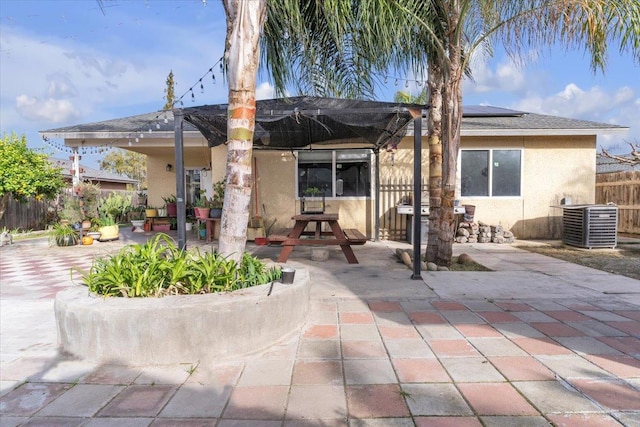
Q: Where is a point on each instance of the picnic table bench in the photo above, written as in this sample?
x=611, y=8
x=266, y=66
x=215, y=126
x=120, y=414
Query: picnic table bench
x=297, y=236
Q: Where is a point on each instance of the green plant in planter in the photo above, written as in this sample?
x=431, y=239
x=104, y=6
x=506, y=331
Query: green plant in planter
x=218, y=194
x=169, y=199
x=159, y=268
x=63, y=235
x=71, y=210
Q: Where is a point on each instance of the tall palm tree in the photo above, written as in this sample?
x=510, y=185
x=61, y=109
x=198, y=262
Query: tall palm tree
x=245, y=20
x=337, y=47
x=463, y=26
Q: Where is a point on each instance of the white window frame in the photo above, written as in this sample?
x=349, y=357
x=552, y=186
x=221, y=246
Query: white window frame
x=490, y=150
x=334, y=158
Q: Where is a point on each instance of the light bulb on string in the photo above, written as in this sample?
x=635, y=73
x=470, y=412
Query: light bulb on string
x=406, y=84
x=396, y=83
x=137, y=139
x=141, y=135
x=201, y=87
x=158, y=125
x=386, y=79
x=193, y=97
x=213, y=76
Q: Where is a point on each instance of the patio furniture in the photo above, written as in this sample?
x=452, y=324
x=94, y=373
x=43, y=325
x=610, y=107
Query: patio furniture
x=290, y=238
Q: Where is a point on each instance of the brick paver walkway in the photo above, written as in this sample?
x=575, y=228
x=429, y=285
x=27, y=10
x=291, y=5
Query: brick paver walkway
x=358, y=362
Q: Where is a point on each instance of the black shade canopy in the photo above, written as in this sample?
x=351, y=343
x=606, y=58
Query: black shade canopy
x=289, y=123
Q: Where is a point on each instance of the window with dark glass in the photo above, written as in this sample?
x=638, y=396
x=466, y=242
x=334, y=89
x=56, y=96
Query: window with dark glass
x=492, y=173
x=343, y=173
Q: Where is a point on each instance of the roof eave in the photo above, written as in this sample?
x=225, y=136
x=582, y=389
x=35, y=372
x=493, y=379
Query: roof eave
x=542, y=132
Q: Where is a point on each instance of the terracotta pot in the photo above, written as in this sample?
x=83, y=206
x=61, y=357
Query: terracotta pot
x=172, y=209
x=202, y=212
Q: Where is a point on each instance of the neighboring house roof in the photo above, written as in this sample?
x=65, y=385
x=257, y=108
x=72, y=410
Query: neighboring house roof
x=477, y=121
x=90, y=173
x=607, y=165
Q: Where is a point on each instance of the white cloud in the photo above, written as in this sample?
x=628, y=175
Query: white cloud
x=265, y=91
x=507, y=76
x=594, y=103
x=47, y=110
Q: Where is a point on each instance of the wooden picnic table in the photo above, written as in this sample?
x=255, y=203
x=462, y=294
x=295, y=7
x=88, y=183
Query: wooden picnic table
x=292, y=237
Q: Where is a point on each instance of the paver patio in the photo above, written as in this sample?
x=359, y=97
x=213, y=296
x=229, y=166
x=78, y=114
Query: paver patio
x=379, y=349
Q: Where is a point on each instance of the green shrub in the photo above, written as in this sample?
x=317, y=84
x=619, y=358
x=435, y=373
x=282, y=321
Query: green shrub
x=115, y=205
x=159, y=268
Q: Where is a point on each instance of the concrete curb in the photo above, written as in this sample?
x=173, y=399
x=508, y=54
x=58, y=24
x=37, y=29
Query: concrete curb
x=179, y=329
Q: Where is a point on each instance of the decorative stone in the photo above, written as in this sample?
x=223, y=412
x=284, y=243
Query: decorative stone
x=431, y=266
x=443, y=268
x=319, y=254
x=465, y=259
x=406, y=259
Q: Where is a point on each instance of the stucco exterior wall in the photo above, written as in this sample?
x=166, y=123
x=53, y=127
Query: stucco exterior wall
x=275, y=182
x=162, y=183
x=553, y=168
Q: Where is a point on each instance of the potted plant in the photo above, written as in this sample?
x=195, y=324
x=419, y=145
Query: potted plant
x=63, y=235
x=171, y=204
x=151, y=212
x=109, y=230
x=137, y=220
x=201, y=207
x=218, y=199
x=312, y=202
x=71, y=212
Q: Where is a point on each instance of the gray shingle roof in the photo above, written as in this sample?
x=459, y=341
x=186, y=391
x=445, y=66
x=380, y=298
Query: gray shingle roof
x=607, y=165
x=477, y=121
x=90, y=173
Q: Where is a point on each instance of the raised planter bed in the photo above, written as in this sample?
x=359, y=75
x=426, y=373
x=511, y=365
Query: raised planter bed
x=179, y=329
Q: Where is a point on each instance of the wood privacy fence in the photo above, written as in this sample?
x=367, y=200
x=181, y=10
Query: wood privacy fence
x=623, y=189
x=393, y=226
x=31, y=215
x=36, y=214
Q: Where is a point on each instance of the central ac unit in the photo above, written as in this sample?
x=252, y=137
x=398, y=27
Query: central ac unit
x=590, y=226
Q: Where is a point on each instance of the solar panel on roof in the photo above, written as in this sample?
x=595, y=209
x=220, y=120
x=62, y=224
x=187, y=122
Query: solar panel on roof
x=489, y=111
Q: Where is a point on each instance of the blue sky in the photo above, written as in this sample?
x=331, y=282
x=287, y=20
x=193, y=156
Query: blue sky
x=67, y=62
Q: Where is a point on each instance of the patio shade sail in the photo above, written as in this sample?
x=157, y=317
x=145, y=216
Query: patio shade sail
x=290, y=123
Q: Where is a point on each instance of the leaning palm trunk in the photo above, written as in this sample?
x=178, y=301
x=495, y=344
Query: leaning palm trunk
x=434, y=125
x=244, y=24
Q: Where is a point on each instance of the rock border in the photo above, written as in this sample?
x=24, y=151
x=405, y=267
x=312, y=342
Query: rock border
x=182, y=328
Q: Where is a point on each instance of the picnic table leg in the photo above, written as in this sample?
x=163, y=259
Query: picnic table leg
x=296, y=232
x=346, y=249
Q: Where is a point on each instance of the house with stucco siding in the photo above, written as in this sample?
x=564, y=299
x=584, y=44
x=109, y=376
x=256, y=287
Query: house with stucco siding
x=514, y=167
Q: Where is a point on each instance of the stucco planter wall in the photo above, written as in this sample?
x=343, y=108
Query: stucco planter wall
x=179, y=329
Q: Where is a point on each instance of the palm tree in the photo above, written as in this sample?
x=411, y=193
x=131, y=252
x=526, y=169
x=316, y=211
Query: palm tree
x=454, y=29
x=245, y=20
x=338, y=47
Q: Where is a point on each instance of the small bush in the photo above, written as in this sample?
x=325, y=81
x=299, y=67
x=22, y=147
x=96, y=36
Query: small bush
x=159, y=268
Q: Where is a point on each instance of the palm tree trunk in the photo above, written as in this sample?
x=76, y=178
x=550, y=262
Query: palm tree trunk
x=452, y=112
x=244, y=24
x=434, y=125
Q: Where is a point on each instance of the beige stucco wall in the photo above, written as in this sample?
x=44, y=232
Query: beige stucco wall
x=162, y=183
x=275, y=178
x=553, y=168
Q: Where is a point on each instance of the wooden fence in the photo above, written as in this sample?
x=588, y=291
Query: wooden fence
x=31, y=215
x=623, y=189
x=393, y=226
x=36, y=214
